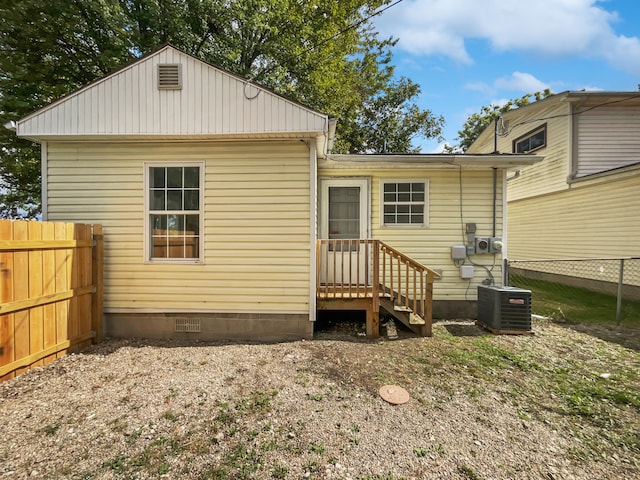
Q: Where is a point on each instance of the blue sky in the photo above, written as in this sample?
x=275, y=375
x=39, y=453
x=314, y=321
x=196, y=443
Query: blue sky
x=468, y=53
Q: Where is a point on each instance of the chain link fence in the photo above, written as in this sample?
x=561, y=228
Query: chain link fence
x=605, y=290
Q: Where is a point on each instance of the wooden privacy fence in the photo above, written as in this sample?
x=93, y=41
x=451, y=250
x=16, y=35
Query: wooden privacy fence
x=51, y=291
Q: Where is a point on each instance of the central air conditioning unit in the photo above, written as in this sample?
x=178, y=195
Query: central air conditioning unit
x=504, y=308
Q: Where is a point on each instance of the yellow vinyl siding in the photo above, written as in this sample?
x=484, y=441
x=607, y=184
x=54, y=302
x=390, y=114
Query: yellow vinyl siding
x=256, y=222
x=596, y=218
x=431, y=245
x=551, y=174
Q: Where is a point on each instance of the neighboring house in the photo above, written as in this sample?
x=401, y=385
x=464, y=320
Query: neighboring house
x=583, y=200
x=211, y=191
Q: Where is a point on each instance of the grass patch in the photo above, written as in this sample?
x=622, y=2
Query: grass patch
x=563, y=383
x=482, y=357
x=243, y=462
x=279, y=471
x=469, y=472
x=318, y=448
x=169, y=415
x=51, y=429
x=116, y=464
x=420, y=452
x=575, y=304
x=257, y=401
x=215, y=473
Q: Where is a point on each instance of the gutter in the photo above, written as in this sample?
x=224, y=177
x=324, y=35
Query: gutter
x=476, y=161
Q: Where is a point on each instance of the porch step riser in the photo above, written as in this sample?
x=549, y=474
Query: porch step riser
x=409, y=319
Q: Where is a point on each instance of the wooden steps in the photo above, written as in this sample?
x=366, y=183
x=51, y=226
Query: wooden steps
x=406, y=316
x=414, y=318
x=367, y=274
x=401, y=308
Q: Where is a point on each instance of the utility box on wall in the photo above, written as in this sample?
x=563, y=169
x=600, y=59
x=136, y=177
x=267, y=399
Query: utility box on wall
x=466, y=272
x=481, y=245
x=504, y=309
x=487, y=245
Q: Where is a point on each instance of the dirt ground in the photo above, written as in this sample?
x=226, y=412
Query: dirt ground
x=561, y=404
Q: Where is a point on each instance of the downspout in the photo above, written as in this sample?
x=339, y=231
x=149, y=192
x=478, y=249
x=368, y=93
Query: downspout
x=495, y=174
x=573, y=150
x=505, y=225
x=495, y=199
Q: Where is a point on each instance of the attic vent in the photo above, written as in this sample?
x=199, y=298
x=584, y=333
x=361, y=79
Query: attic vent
x=169, y=77
x=186, y=325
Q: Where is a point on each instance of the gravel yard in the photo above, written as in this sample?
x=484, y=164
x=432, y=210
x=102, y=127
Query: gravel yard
x=558, y=405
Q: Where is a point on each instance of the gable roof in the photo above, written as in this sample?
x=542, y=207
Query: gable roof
x=211, y=103
x=538, y=110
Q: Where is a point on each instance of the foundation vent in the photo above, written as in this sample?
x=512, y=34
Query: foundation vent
x=169, y=76
x=187, y=325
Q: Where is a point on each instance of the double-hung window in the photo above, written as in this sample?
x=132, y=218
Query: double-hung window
x=404, y=203
x=174, y=212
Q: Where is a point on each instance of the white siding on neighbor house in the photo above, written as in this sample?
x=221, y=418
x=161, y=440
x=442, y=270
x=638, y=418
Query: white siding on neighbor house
x=608, y=137
x=597, y=218
x=549, y=175
x=431, y=245
x=256, y=223
x=211, y=102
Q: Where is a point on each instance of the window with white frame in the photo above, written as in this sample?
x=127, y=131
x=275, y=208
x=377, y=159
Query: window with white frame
x=531, y=141
x=174, y=213
x=404, y=203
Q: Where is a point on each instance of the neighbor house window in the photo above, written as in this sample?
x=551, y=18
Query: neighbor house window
x=531, y=141
x=404, y=203
x=174, y=214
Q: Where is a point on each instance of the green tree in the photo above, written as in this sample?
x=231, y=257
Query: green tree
x=308, y=51
x=42, y=57
x=478, y=122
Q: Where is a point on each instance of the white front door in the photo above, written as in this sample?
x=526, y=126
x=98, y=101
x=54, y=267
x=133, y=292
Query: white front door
x=344, y=215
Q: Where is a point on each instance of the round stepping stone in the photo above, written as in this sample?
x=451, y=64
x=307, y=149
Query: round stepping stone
x=394, y=394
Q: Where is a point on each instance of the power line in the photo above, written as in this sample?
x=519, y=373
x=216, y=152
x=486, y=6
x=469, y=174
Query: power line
x=332, y=37
x=561, y=115
x=353, y=25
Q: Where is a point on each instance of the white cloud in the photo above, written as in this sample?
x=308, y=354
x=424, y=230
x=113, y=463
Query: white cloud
x=439, y=148
x=556, y=28
x=622, y=53
x=524, y=82
x=499, y=102
x=480, y=87
x=517, y=82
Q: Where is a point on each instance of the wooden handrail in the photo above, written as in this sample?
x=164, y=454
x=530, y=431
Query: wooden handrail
x=405, y=258
x=348, y=272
